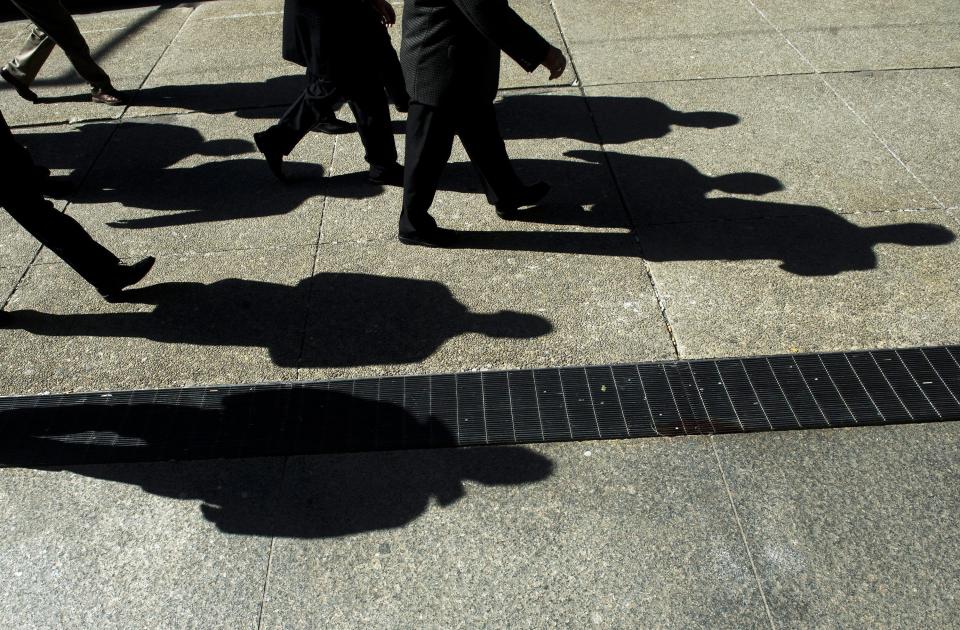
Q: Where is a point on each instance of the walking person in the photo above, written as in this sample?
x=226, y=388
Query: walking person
x=450, y=55
x=340, y=43
x=53, y=26
x=22, y=198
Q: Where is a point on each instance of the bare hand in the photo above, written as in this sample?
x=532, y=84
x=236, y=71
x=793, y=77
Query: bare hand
x=387, y=15
x=555, y=62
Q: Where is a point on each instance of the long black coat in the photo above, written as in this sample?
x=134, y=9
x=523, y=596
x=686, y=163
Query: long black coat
x=451, y=48
x=337, y=38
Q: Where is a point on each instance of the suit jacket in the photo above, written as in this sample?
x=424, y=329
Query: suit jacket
x=450, y=51
x=332, y=37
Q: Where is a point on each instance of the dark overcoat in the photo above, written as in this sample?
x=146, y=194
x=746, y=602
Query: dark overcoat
x=451, y=48
x=337, y=38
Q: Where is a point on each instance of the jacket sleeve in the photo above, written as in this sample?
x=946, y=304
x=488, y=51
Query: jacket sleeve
x=507, y=30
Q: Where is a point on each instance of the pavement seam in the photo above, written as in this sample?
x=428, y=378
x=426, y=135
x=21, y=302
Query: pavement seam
x=20, y=279
x=846, y=103
x=316, y=257
x=160, y=57
x=273, y=540
x=661, y=303
x=743, y=533
x=772, y=75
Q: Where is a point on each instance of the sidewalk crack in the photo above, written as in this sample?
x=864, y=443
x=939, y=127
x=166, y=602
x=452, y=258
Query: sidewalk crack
x=743, y=534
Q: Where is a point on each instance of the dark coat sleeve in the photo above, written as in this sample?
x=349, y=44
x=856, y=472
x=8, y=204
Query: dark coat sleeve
x=507, y=30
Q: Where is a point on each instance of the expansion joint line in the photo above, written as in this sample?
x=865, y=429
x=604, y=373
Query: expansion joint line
x=846, y=103
x=624, y=206
x=316, y=258
x=277, y=496
x=743, y=533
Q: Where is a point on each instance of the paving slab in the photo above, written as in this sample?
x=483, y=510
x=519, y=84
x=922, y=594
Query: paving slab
x=772, y=286
x=912, y=112
x=610, y=534
x=244, y=69
x=203, y=187
x=231, y=317
x=617, y=41
x=128, y=546
x=583, y=197
x=127, y=44
x=852, y=527
x=785, y=145
x=869, y=34
x=396, y=309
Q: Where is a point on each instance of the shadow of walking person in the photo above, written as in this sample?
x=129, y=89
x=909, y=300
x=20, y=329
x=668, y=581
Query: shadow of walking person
x=678, y=216
x=327, y=496
x=621, y=118
x=215, y=190
x=355, y=319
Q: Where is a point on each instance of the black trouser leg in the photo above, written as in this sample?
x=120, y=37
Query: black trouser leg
x=64, y=237
x=313, y=105
x=369, y=106
x=428, y=145
x=54, y=19
x=55, y=230
x=480, y=135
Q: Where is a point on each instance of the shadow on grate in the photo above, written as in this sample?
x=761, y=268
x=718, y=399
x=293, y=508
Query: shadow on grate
x=478, y=408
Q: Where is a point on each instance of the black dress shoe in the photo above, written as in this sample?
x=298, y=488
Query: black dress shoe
x=108, y=96
x=21, y=88
x=124, y=276
x=273, y=155
x=334, y=126
x=386, y=175
x=436, y=237
x=526, y=196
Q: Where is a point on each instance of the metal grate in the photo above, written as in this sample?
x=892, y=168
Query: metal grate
x=507, y=407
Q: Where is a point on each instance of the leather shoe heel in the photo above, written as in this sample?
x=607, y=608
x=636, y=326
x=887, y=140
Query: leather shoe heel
x=526, y=196
x=273, y=155
x=125, y=276
x=25, y=92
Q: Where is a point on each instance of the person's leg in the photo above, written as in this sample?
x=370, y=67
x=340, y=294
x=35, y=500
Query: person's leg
x=329, y=123
x=303, y=114
x=54, y=229
x=428, y=144
x=54, y=20
x=480, y=135
x=369, y=106
x=26, y=65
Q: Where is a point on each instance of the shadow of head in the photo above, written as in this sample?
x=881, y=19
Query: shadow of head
x=705, y=120
x=511, y=325
x=911, y=234
x=746, y=183
x=225, y=147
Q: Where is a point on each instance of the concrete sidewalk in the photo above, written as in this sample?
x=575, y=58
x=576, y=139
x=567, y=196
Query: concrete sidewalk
x=734, y=177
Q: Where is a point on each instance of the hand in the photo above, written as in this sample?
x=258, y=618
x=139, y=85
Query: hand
x=388, y=16
x=555, y=62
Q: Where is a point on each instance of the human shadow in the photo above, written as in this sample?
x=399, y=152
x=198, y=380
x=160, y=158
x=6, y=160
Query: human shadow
x=247, y=99
x=621, y=119
x=306, y=497
x=354, y=319
x=183, y=192
x=677, y=215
